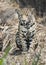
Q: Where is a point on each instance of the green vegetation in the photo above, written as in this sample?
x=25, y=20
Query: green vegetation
x=36, y=58
x=25, y=62
x=3, y=59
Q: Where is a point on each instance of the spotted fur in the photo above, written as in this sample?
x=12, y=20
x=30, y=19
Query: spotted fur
x=26, y=31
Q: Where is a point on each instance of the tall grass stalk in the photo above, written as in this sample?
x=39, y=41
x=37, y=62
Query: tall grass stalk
x=36, y=58
x=3, y=59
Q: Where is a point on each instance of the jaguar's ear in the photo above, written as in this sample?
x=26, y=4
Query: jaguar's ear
x=33, y=11
x=31, y=17
x=19, y=14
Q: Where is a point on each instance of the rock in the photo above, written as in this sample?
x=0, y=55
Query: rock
x=8, y=16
